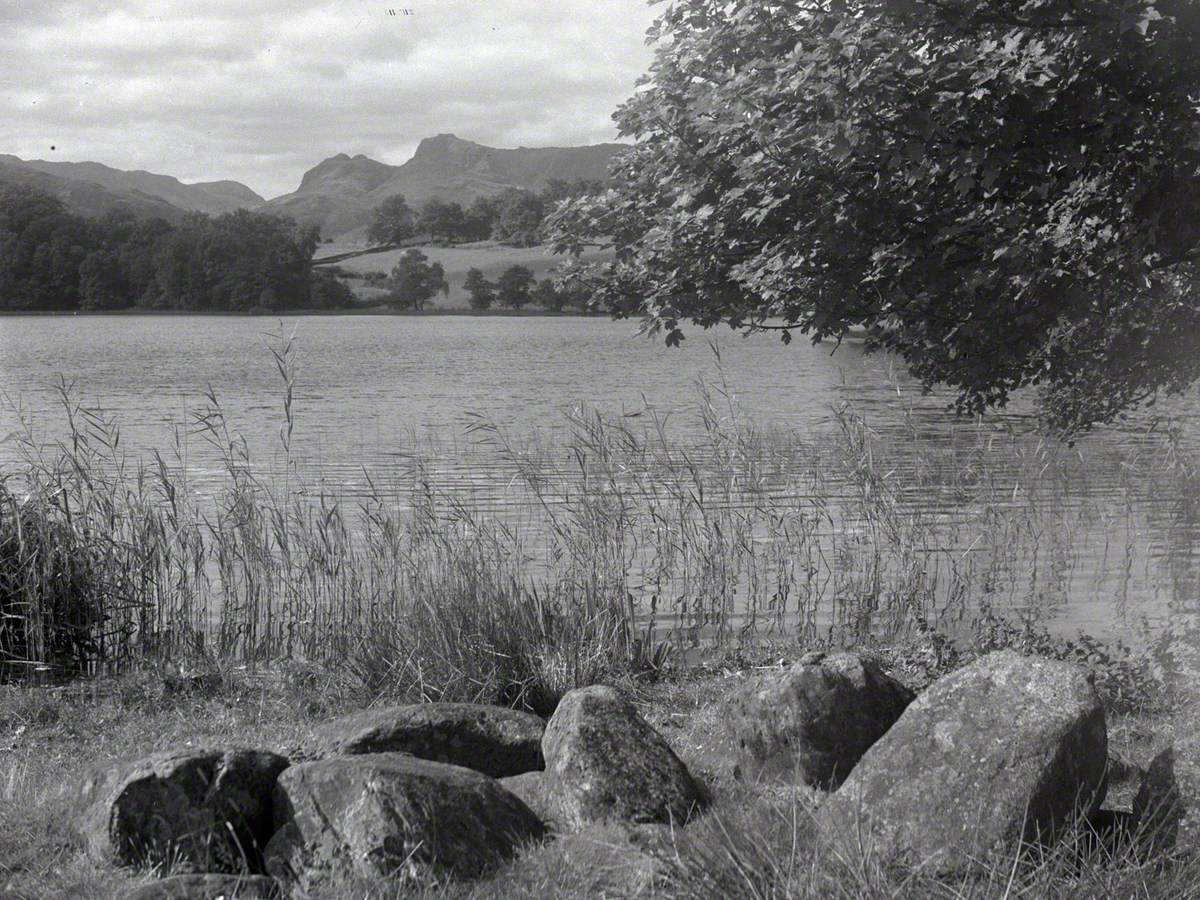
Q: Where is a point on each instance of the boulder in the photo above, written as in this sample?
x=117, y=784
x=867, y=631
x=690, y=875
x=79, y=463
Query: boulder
x=1187, y=775
x=493, y=740
x=203, y=810
x=390, y=815
x=605, y=763
x=535, y=790
x=209, y=887
x=1158, y=807
x=814, y=722
x=1007, y=749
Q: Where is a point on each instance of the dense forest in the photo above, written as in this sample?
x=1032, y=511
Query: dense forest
x=51, y=259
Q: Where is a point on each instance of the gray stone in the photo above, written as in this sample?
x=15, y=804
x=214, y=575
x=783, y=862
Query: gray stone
x=209, y=887
x=203, y=810
x=493, y=740
x=814, y=722
x=391, y=815
x=1008, y=749
x=605, y=763
x=1158, y=806
x=535, y=790
x=1187, y=775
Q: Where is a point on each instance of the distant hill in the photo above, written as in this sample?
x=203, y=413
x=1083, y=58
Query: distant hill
x=340, y=193
x=86, y=198
x=213, y=198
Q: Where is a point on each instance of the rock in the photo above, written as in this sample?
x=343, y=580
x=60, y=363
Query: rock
x=815, y=721
x=493, y=740
x=535, y=790
x=1158, y=806
x=391, y=815
x=204, y=810
x=1187, y=775
x=605, y=763
x=1008, y=748
x=209, y=887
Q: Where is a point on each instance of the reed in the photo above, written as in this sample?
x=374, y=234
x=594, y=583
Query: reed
x=616, y=546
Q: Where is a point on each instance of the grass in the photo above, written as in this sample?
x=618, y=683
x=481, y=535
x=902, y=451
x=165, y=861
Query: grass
x=757, y=841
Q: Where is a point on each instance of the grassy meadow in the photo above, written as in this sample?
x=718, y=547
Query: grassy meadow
x=489, y=257
x=673, y=571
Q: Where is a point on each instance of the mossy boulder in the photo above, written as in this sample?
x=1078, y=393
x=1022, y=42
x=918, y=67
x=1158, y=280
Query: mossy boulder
x=203, y=810
x=813, y=722
x=1008, y=749
x=494, y=740
x=391, y=815
x=1158, y=806
x=605, y=763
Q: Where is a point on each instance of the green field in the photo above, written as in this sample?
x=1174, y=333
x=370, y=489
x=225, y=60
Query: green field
x=487, y=256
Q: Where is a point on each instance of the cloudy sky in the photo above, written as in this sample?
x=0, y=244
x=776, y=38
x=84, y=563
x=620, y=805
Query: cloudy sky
x=260, y=91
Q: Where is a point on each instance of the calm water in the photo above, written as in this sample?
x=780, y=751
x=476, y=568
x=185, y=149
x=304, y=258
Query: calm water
x=370, y=390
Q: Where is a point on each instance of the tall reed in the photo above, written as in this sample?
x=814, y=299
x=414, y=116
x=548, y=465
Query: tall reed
x=616, y=544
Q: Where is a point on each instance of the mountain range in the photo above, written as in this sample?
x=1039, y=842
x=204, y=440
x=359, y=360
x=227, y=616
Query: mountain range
x=338, y=194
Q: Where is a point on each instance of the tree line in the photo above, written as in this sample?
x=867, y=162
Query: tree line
x=512, y=217
x=414, y=281
x=52, y=259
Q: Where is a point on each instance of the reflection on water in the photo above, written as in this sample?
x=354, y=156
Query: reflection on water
x=824, y=519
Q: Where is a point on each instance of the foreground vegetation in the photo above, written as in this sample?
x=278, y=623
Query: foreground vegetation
x=757, y=841
x=619, y=555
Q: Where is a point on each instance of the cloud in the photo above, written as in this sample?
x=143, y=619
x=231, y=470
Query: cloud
x=261, y=92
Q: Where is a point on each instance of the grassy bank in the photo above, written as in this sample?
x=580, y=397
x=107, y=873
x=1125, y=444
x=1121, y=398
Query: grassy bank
x=757, y=841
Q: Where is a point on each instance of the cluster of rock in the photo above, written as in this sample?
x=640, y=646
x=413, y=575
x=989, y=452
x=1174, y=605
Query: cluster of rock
x=430, y=790
x=1006, y=750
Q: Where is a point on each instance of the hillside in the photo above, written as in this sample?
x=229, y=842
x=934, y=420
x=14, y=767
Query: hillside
x=84, y=197
x=140, y=189
x=339, y=193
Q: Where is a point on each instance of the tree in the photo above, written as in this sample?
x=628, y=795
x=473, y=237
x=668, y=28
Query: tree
x=512, y=288
x=548, y=296
x=480, y=218
x=414, y=281
x=482, y=291
x=392, y=222
x=1002, y=194
x=328, y=291
x=519, y=218
x=441, y=219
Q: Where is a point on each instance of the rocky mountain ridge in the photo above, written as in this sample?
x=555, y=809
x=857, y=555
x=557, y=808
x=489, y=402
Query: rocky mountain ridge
x=337, y=195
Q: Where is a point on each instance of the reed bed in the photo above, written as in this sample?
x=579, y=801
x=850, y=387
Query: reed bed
x=616, y=546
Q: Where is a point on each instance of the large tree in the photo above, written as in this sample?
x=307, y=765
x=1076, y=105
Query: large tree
x=415, y=280
x=482, y=292
x=1002, y=192
x=392, y=222
x=512, y=287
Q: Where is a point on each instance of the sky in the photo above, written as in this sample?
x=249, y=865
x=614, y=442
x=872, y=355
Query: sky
x=261, y=91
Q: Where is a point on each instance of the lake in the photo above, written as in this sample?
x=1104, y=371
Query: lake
x=1095, y=537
